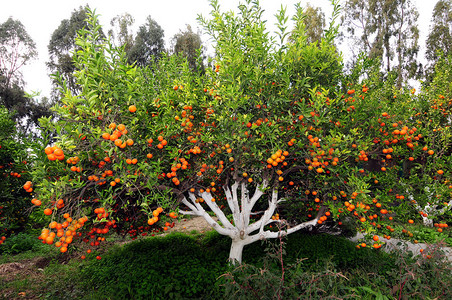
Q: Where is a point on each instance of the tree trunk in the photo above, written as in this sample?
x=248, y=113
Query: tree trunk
x=235, y=255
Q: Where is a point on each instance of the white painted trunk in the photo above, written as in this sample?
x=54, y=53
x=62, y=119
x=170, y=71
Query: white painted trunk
x=241, y=231
x=430, y=209
x=235, y=254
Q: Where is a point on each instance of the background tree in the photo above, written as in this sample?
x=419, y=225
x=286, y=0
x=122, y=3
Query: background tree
x=62, y=45
x=386, y=30
x=17, y=48
x=440, y=35
x=190, y=45
x=14, y=168
x=314, y=23
x=120, y=32
x=148, y=45
x=24, y=110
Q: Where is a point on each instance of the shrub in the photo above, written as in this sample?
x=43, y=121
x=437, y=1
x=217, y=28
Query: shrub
x=21, y=242
x=172, y=267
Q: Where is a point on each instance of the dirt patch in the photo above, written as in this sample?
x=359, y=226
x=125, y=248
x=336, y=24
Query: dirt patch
x=15, y=271
x=198, y=224
x=10, y=271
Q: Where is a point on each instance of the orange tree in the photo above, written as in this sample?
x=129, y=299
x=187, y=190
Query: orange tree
x=252, y=140
x=14, y=172
x=429, y=184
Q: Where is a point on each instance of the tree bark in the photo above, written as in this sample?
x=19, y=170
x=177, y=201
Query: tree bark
x=235, y=254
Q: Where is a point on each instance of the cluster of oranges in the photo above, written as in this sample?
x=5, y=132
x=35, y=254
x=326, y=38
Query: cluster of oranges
x=28, y=186
x=14, y=174
x=115, y=137
x=54, y=153
x=73, y=160
x=440, y=226
x=186, y=118
x=155, y=216
x=277, y=158
x=323, y=218
x=182, y=164
x=65, y=232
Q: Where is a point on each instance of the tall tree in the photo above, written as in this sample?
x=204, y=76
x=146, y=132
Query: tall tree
x=314, y=23
x=24, y=110
x=190, y=45
x=17, y=48
x=387, y=30
x=440, y=35
x=120, y=33
x=148, y=44
x=62, y=45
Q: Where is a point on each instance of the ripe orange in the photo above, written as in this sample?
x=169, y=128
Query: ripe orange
x=47, y=211
x=132, y=108
x=118, y=142
x=58, y=152
x=48, y=150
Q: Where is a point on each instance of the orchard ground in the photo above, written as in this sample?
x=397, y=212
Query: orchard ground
x=24, y=277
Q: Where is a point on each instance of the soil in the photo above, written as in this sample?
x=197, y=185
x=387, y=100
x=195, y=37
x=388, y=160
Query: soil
x=189, y=225
x=31, y=270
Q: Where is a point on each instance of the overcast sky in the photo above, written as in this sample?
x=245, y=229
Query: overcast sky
x=41, y=18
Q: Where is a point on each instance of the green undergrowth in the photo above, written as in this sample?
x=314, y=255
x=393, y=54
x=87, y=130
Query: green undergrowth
x=181, y=266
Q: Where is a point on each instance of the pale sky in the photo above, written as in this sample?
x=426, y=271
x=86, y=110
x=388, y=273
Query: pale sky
x=41, y=18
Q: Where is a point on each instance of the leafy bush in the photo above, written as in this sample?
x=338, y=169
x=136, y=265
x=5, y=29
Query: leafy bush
x=173, y=267
x=339, y=271
x=14, y=172
x=21, y=242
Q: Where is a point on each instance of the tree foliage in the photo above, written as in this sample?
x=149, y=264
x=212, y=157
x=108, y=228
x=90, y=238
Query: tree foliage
x=440, y=35
x=14, y=171
x=254, y=140
x=62, y=47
